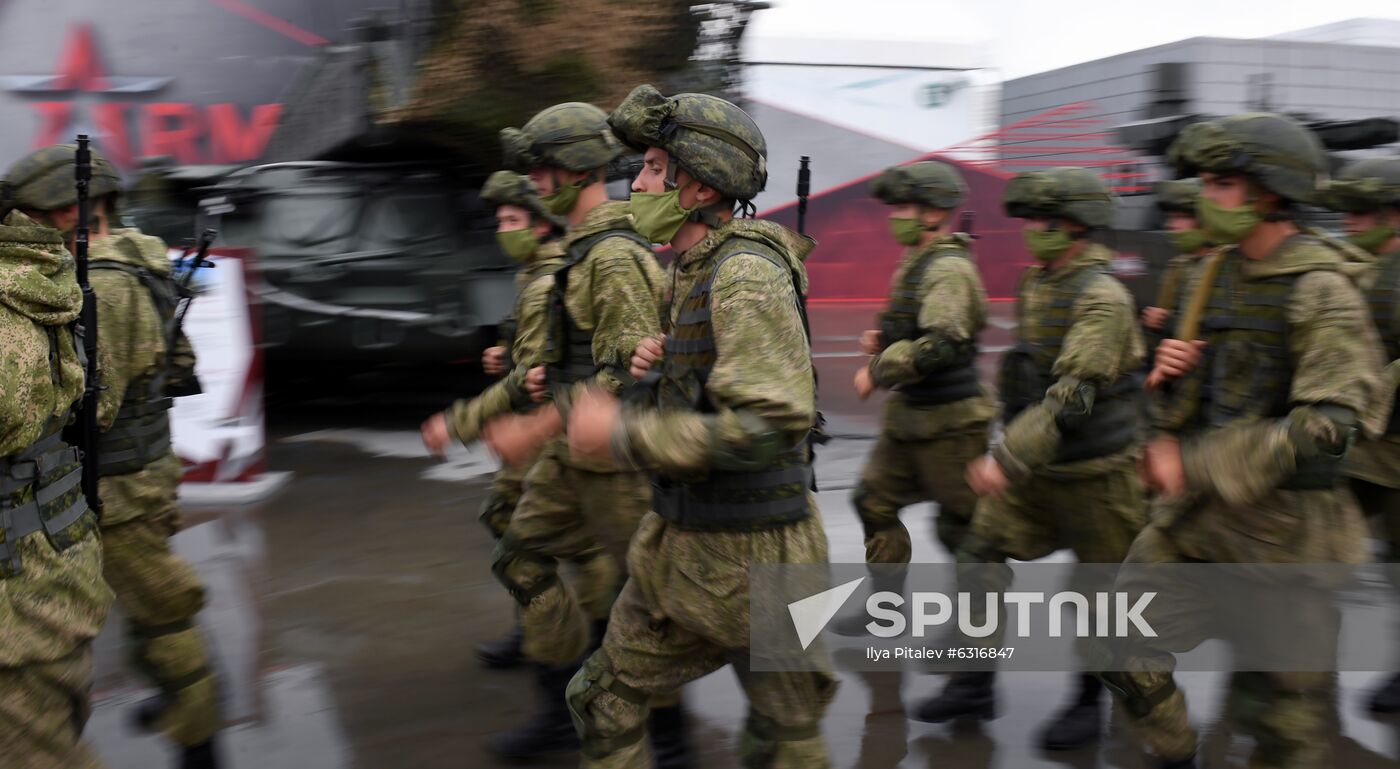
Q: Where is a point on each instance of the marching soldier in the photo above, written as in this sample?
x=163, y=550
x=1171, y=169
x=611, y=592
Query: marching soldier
x=1065, y=473
x=729, y=442
x=1258, y=417
x=1176, y=199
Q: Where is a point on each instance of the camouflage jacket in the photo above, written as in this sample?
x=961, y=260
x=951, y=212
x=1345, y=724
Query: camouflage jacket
x=58, y=600
x=1233, y=510
x=1378, y=460
x=131, y=348
x=761, y=384
x=1102, y=344
x=608, y=295
x=953, y=306
x=466, y=418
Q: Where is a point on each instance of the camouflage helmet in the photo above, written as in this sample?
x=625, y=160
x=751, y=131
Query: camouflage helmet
x=1364, y=187
x=43, y=179
x=717, y=143
x=507, y=188
x=573, y=136
x=1076, y=194
x=1178, y=195
x=1278, y=152
x=928, y=183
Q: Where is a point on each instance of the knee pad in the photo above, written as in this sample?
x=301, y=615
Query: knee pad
x=1139, y=697
x=595, y=680
x=156, y=666
x=509, y=559
x=495, y=514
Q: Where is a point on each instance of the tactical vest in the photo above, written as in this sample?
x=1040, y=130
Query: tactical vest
x=900, y=322
x=53, y=472
x=761, y=498
x=1027, y=372
x=1247, y=369
x=1383, y=298
x=571, y=347
x=140, y=434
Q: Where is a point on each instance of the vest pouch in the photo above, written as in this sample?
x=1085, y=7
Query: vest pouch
x=1247, y=379
x=1019, y=381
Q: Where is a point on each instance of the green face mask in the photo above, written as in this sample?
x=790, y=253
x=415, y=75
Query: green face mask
x=1373, y=239
x=563, y=199
x=1226, y=226
x=658, y=215
x=906, y=231
x=518, y=244
x=1048, y=245
x=1189, y=241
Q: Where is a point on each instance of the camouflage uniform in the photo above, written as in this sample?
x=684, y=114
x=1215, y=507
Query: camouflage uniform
x=1071, y=390
x=1261, y=455
x=160, y=592
x=733, y=477
x=52, y=608
x=1373, y=186
x=936, y=421
x=603, y=302
x=569, y=508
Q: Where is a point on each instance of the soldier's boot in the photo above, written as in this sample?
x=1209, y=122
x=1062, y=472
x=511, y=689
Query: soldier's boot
x=670, y=745
x=1081, y=722
x=1386, y=699
x=1181, y=763
x=969, y=695
x=503, y=653
x=883, y=580
x=550, y=730
x=201, y=756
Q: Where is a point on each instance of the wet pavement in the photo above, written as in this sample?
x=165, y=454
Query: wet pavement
x=344, y=610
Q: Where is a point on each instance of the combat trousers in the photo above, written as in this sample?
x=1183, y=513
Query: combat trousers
x=1095, y=514
x=683, y=614
x=162, y=595
x=900, y=473
x=1288, y=714
x=568, y=514
x=43, y=708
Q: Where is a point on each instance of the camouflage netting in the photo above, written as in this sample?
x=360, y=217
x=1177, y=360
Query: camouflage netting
x=497, y=62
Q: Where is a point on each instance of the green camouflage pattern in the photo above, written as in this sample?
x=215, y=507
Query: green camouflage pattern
x=573, y=136
x=467, y=417
x=953, y=307
x=929, y=183
x=567, y=514
x=55, y=606
x=1287, y=714
x=1178, y=283
x=161, y=596
x=713, y=140
x=43, y=180
x=1277, y=151
x=1364, y=186
x=612, y=296
x=1094, y=508
x=923, y=450
x=685, y=610
x=154, y=586
x=505, y=188
x=1102, y=344
x=684, y=614
x=901, y=472
x=46, y=706
x=761, y=383
x=1077, y=194
x=1178, y=195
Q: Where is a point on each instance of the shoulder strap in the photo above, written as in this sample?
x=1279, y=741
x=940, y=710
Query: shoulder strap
x=580, y=248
